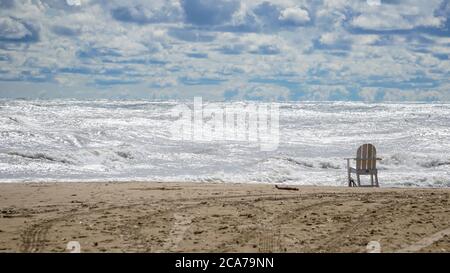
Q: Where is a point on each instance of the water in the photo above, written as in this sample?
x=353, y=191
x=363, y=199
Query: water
x=131, y=141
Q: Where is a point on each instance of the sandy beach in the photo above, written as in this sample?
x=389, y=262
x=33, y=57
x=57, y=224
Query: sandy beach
x=193, y=217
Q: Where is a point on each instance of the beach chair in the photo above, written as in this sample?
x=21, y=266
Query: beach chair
x=366, y=164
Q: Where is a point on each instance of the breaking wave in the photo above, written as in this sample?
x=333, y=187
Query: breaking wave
x=39, y=156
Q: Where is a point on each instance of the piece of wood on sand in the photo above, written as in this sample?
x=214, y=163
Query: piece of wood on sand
x=286, y=188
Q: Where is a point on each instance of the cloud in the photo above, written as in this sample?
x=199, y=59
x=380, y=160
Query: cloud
x=210, y=13
x=370, y=94
x=94, y=52
x=201, y=81
x=163, y=83
x=393, y=21
x=232, y=49
x=73, y=2
x=65, y=31
x=393, y=94
x=191, y=35
x=266, y=50
x=76, y=70
x=272, y=17
x=5, y=58
x=399, y=15
x=257, y=92
x=17, y=31
x=267, y=93
x=142, y=15
x=66, y=5
x=294, y=15
x=333, y=41
x=375, y=22
x=39, y=75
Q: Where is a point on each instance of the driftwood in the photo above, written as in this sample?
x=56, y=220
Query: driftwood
x=286, y=188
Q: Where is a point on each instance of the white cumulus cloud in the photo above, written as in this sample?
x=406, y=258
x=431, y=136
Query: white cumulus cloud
x=295, y=15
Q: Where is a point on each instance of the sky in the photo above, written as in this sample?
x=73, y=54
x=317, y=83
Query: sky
x=278, y=50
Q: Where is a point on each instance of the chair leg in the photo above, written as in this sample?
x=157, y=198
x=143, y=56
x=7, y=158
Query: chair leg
x=359, y=180
x=376, y=180
x=349, y=178
x=350, y=183
x=371, y=180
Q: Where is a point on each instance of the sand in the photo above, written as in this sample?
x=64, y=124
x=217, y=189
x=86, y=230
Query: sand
x=193, y=217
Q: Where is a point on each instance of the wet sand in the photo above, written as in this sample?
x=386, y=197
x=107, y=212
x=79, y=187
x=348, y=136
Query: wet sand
x=193, y=217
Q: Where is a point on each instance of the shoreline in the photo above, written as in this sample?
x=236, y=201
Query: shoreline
x=127, y=181
x=220, y=217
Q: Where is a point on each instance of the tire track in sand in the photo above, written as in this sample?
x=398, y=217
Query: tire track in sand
x=34, y=237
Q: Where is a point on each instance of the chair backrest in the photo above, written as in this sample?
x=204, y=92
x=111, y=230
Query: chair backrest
x=366, y=157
